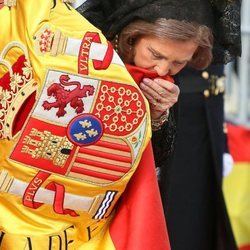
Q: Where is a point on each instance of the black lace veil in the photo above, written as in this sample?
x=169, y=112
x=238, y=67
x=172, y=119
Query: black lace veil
x=222, y=16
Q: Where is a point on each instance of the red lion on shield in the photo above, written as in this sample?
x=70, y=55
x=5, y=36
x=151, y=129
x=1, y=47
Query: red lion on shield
x=64, y=97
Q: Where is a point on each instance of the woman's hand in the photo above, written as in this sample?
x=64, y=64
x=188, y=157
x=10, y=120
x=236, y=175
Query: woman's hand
x=161, y=95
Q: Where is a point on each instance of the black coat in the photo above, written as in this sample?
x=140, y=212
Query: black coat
x=191, y=181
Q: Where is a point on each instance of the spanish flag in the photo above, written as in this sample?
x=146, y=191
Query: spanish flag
x=237, y=184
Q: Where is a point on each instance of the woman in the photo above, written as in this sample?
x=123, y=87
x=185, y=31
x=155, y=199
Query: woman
x=164, y=46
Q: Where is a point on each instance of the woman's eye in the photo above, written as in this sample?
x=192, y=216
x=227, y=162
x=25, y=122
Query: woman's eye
x=157, y=56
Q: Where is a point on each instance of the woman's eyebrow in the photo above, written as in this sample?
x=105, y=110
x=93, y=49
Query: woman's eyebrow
x=156, y=52
x=182, y=61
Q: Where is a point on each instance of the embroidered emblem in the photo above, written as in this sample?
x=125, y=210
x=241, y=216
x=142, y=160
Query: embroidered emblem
x=45, y=145
x=81, y=145
x=85, y=130
x=17, y=91
x=120, y=108
x=43, y=40
x=53, y=79
x=64, y=97
x=96, y=152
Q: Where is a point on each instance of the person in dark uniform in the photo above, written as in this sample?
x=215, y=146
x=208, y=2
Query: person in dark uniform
x=193, y=200
x=190, y=179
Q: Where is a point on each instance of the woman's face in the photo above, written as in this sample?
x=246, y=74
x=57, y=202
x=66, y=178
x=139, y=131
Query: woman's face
x=164, y=56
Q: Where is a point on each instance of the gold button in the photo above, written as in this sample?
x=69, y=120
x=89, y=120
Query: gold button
x=216, y=91
x=205, y=75
x=206, y=93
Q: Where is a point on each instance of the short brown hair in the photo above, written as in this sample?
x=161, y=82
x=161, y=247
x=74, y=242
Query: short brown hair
x=169, y=29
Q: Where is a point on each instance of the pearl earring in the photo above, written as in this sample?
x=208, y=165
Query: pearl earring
x=116, y=43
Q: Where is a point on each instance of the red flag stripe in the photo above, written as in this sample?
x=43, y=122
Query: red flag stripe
x=96, y=169
x=105, y=155
x=102, y=165
x=109, y=150
x=95, y=174
x=238, y=138
x=102, y=160
x=117, y=146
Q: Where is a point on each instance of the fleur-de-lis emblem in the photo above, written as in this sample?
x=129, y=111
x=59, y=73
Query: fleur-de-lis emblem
x=27, y=70
x=14, y=81
x=85, y=129
x=4, y=97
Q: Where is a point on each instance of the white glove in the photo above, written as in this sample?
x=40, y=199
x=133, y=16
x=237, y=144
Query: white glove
x=228, y=163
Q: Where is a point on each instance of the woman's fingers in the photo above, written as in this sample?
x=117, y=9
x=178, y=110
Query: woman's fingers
x=160, y=93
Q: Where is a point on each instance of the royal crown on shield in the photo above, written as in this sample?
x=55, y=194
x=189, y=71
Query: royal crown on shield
x=44, y=39
x=17, y=89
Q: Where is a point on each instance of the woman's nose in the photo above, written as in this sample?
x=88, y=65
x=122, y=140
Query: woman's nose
x=163, y=68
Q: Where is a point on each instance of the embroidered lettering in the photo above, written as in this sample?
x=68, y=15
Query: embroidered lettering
x=62, y=241
x=32, y=188
x=58, y=240
x=30, y=192
x=83, y=56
